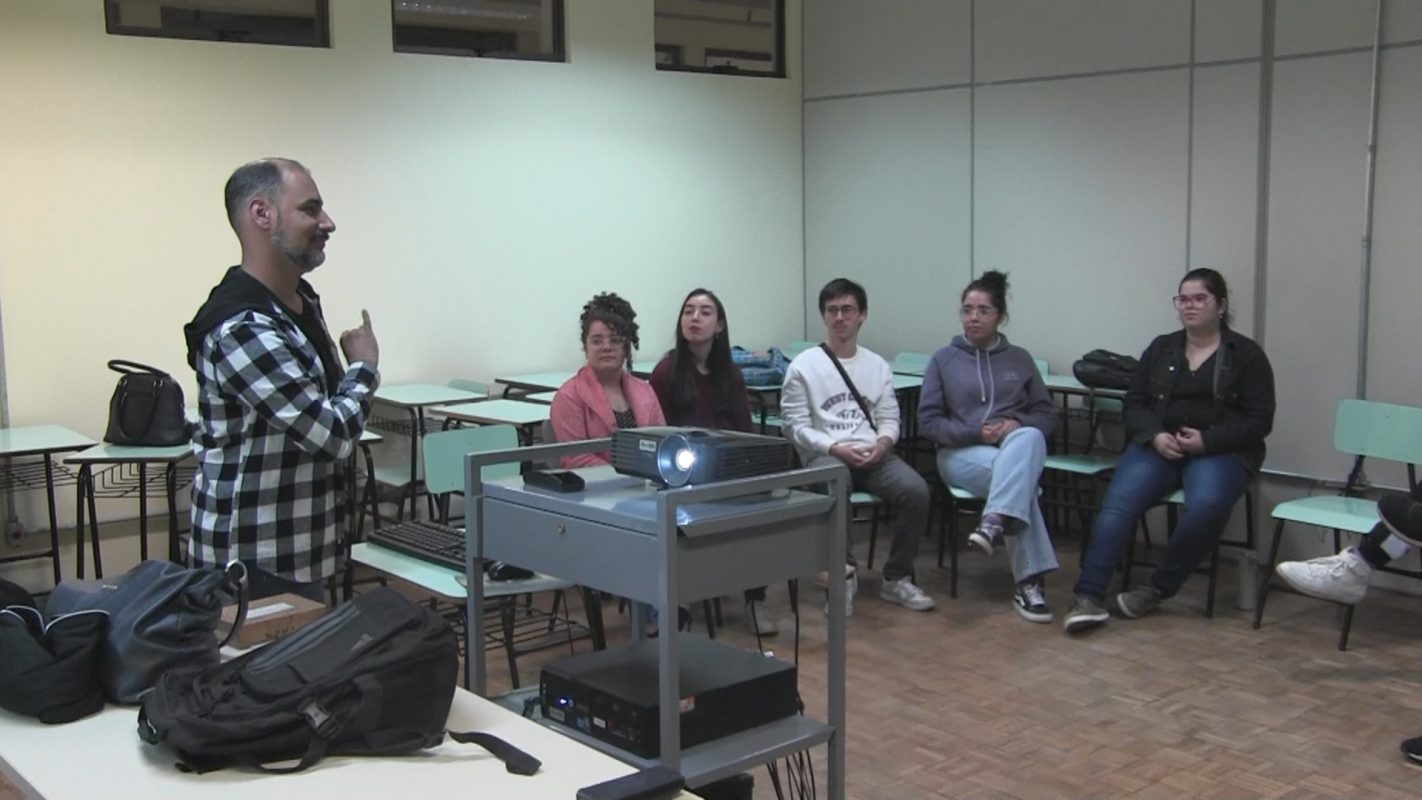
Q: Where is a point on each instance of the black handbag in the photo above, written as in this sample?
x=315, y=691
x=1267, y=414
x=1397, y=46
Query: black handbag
x=161, y=615
x=147, y=407
x=1103, y=369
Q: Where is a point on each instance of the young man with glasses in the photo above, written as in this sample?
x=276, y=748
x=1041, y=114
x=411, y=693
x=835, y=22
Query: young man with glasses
x=853, y=417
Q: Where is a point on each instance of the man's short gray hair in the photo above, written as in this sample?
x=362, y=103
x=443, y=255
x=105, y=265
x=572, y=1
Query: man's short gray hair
x=259, y=178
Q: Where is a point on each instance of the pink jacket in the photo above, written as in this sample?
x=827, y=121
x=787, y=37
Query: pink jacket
x=581, y=411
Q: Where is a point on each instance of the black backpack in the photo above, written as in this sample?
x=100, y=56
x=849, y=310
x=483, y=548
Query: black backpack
x=1103, y=369
x=372, y=677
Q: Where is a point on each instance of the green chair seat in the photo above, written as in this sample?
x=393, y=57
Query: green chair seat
x=1081, y=464
x=1353, y=514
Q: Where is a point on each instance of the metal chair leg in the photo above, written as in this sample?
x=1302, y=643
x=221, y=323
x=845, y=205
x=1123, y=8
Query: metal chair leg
x=1268, y=575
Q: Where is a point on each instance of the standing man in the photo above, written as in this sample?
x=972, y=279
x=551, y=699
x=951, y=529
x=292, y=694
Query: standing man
x=853, y=417
x=279, y=416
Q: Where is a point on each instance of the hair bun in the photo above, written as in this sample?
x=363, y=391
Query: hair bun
x=995, y=279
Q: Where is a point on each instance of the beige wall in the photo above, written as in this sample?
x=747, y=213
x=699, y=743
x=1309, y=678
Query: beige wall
x=479, y=202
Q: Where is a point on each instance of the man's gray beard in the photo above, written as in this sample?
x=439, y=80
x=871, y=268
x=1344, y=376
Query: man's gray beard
x=305, y=262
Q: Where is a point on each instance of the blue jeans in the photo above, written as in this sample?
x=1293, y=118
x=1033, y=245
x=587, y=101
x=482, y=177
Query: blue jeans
x=1212, y=483
x=1008, y=476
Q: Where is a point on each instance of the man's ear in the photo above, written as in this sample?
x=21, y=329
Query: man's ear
x=262, y=213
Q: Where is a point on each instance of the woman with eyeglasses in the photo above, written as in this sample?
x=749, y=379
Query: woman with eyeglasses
x=699, y=385
x=1198, y=409
x=985, y=406
x=604, y=396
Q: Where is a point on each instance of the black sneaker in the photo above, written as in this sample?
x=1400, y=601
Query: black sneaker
x=1085, y=613
x=1403, y=516
x=1138, y=602
x=1030, y=600
x=1412, y=748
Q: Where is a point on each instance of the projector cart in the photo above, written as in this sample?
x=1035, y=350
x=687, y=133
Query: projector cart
x=665, y=547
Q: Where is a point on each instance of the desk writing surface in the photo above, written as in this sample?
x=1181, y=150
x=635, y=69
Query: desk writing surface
x=539, y=380
x=368, y=436
x=102, y=757
x=416, y=395
x=37, y=439
x=902, y=382
x=106, y=453
x=443, y=581
x=540, y=397
x=496, y=412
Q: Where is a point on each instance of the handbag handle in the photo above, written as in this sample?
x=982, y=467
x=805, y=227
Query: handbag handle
x=236, y=574
x=126, y=367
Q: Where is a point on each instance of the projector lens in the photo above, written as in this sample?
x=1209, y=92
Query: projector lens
x=685, y=459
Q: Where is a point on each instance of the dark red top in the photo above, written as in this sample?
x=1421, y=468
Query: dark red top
x=702, y=413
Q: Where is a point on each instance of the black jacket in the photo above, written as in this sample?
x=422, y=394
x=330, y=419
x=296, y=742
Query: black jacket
x=1244, y=395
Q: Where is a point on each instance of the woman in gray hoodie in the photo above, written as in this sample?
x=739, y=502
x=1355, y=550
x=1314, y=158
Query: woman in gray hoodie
x=985, y=406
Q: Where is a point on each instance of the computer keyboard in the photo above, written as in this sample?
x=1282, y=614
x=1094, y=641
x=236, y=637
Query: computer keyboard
x=425, y=540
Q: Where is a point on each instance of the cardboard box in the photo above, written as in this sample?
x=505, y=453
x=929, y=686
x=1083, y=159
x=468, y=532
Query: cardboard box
x=270, y=618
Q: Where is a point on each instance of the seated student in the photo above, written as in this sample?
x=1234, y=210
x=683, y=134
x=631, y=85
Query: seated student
x=603, y=396
x=986, y=408
x=1196, y=414
x=830, y=421
x=698, y=385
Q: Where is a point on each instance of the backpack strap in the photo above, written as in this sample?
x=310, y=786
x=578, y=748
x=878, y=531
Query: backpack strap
x=854, y=390
x=515, y=760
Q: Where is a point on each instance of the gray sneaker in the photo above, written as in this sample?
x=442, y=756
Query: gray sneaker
x=1138, y=602
x=903, y=592
x=987, y=537
x=1084, y=614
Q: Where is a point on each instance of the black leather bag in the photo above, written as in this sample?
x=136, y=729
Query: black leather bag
x=161, y=616
x=1103, y=369
x=146, y=408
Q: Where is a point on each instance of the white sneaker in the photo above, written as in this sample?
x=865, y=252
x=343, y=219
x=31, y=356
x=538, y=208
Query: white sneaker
x=758, y=616
x=851, y=588
x=904, y=593
x=821, y=579
x=1342, y=578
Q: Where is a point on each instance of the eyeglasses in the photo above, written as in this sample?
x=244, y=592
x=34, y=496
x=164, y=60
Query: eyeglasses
x=835, y=311
x=601, y=341
x=978, y=311
x=1196, y=300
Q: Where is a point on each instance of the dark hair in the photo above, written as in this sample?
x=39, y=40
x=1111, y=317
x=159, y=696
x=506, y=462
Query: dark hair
x=728, y=386
x=260, y=178
x=615, y=313
x=994, y=285
x=1214, y=284
x=839, y=287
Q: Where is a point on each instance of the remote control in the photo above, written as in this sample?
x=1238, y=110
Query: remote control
x=562, y=481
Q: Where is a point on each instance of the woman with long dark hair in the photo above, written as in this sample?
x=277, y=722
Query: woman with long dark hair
x=1198, y=409
x=699, y=385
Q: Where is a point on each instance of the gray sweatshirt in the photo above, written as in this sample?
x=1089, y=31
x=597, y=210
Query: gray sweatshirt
x=965, y=387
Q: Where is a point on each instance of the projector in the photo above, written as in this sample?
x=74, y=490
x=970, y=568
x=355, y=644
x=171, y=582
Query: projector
x=685, y=456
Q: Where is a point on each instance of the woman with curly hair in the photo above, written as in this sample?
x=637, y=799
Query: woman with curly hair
x=604, y=396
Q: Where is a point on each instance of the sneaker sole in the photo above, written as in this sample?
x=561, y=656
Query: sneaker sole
x=1411, y=755
x=1084, y=622
x=980, y=544
x=1127, y=612
x=1309, y=591
x=1033, y=616
x=894, y=600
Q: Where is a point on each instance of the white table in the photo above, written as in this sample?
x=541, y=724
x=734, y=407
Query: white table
x=523, y=416
x=102, y=757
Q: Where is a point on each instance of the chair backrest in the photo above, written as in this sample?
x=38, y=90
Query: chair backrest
x=907, y=361
x=1379, y=430
x=796, y=348
x=445, y=452
x=468, y=385
x=1042, y=366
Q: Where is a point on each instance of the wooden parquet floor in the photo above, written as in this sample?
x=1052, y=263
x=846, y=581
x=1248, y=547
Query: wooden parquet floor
x=970, y=701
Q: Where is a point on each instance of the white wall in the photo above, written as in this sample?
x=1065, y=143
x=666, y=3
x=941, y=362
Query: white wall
x=479, y=203
x=1111, y=145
